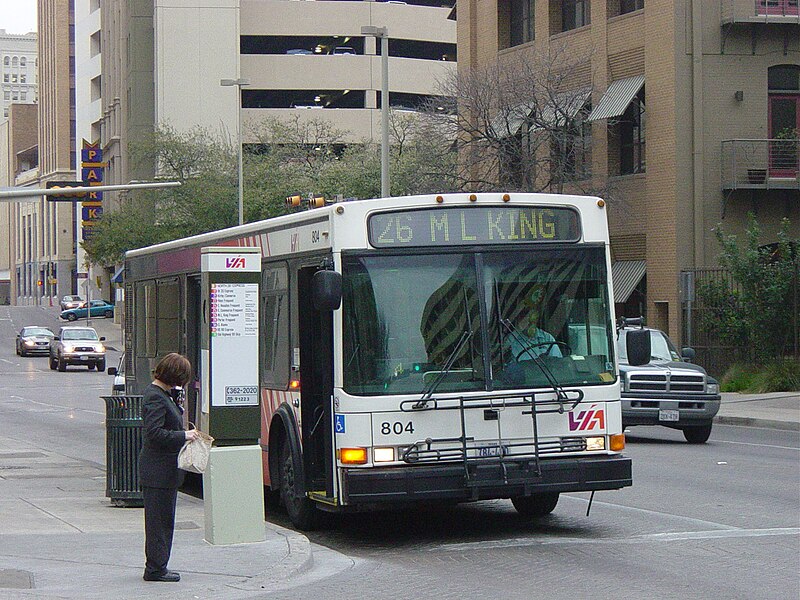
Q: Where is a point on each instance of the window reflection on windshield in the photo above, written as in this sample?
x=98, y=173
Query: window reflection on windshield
x=79, y=334
x=404, y=317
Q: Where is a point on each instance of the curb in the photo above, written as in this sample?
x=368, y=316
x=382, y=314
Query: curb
x=298, y=560
x=755, y=422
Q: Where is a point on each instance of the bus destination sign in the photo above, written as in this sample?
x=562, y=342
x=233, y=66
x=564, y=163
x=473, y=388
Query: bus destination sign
x=473, y=225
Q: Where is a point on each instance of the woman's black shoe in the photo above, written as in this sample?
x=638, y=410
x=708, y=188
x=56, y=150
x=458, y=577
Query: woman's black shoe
x=165, y=576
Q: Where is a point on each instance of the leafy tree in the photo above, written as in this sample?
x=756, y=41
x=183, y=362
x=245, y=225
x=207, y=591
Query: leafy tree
x=206, y=199
x=759, y=313
x=290, y=157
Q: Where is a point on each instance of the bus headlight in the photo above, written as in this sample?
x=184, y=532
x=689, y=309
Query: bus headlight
x=383, y=454
x=596, y=443
x=353, y=456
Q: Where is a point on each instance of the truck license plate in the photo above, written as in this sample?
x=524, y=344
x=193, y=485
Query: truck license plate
x=668, y=415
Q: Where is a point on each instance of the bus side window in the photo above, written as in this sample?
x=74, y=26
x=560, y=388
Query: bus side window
x=275, y=327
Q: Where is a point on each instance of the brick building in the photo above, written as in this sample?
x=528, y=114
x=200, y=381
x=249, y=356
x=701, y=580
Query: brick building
x=691, y=121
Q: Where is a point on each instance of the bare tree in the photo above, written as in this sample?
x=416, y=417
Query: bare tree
x=520, y=123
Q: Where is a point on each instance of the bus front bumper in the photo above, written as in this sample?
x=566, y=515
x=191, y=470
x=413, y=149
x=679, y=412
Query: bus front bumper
x=448, y=481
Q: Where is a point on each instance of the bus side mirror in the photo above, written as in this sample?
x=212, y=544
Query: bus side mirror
x=637, y=343
x=326, y=290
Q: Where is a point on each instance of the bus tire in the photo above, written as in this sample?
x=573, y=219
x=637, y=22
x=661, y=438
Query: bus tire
x=302, y=512
x=697, y=434
x=536, y=505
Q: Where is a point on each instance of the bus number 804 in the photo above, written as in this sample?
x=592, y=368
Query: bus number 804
x=396, y=428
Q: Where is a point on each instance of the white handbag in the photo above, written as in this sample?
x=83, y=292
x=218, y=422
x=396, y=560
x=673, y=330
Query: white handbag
x=193, y=457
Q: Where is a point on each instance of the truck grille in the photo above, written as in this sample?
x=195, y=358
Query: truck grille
x=84, y=349
x=667, y=382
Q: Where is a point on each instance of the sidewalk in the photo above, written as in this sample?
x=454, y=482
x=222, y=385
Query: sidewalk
x=777, y=410
x=60, y=537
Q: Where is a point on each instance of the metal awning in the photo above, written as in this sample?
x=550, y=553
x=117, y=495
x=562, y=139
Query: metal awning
x=626, y=275
x=508, y=122
x=617, y=98
x=117, y=278
x=563, y=108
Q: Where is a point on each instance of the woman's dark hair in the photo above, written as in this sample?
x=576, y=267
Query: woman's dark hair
x=174, y=369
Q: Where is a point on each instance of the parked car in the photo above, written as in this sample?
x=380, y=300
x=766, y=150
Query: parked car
x=77, y=346
x=344, y=51
x=68, y=302
x=34, y=340
x=96, y=308
x=118, y=387
x=669, y=390
x=301, y=51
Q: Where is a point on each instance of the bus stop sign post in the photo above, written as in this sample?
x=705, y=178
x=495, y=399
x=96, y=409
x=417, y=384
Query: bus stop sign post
x=233, y=490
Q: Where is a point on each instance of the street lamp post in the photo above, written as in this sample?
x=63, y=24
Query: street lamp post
x=383, y=34
x=238, y=83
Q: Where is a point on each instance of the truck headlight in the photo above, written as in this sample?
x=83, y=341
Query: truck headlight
x=68, y=348
x=713, y=388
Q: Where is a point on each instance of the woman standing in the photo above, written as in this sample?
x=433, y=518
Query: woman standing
x=163, y=437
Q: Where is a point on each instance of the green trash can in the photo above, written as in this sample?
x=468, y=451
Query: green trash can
x=123, y=443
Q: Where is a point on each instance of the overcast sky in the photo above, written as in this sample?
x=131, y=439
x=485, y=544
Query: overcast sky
x=18, y=16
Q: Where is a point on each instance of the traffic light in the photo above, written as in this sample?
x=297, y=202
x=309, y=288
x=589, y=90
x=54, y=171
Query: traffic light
x=67, y=196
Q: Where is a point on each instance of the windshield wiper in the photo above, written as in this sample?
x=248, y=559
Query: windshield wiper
x=448, y=365
x=527, y=346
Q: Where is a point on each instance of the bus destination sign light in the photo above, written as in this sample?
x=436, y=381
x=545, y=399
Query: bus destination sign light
x=475, y=225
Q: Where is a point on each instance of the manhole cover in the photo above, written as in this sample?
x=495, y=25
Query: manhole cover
x=16, y=579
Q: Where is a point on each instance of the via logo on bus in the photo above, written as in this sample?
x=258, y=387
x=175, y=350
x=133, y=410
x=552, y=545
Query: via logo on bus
x=587, y=420
x=237, y=262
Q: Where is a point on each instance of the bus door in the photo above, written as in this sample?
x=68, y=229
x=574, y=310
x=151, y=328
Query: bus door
x=193, y=332
x=316, y=386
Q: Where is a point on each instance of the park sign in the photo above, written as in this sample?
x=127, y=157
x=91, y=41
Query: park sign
x=92, y=166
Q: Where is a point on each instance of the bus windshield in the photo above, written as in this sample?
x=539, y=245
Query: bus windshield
x=503, y=320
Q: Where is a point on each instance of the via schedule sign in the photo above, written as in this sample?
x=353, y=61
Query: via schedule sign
x=234, y=343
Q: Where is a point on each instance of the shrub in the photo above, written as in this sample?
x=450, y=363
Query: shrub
x=779, y=375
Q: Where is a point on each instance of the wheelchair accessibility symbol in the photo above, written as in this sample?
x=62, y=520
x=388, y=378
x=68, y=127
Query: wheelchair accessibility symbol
x=339, y=424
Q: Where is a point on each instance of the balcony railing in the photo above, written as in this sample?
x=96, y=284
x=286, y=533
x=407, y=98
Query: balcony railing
x=761, y=164
x=760, y=11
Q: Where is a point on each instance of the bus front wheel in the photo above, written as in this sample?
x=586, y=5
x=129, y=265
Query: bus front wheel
x=300, y=509
x=536, y=505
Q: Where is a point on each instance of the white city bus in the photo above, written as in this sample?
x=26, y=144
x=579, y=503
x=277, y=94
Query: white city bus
x=400, y=359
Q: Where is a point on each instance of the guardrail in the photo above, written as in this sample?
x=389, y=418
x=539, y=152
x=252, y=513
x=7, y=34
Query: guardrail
x=761, y=164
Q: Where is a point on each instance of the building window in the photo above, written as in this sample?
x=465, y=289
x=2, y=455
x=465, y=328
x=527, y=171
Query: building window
x=626, y=6
x=521, y=23
x=14, y=61
x=6, y=60
x=6, y=78
x=571, y=149
x=784, y=120
x=6, y=95
x=631, y=129
x=23, y=78
x=23, y=61
x=574, y=14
